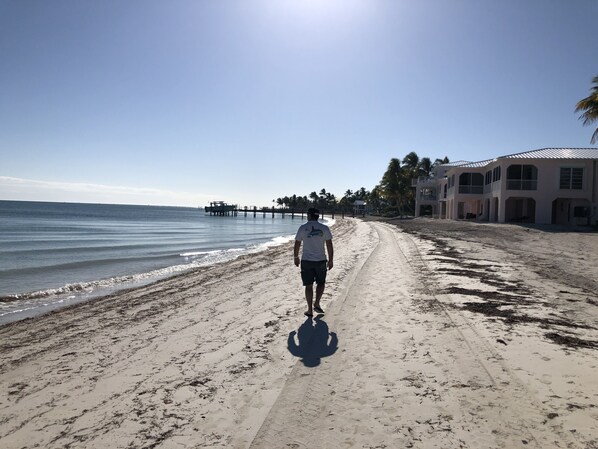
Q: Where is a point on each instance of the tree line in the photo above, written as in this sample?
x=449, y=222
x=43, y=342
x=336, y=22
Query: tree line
x=397, y=186
x=393, y=195
x=324, y=200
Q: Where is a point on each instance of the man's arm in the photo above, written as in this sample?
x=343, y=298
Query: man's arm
x=330, y=249
x=296, y=252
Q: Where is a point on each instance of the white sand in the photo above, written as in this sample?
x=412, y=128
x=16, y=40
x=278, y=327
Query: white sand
x=449, y=335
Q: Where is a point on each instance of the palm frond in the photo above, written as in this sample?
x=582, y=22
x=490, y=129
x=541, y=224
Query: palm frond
x=589, y=107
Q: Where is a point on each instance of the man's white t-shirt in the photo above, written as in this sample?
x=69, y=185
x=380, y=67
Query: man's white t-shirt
x=313, y=234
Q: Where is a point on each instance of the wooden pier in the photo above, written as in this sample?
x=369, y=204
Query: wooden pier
x=222, y=209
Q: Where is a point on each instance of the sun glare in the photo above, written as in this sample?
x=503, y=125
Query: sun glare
x=322, y=10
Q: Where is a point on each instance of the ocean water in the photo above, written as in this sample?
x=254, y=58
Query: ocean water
x=56, y=254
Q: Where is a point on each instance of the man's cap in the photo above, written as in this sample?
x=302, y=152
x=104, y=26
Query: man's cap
x=313, y=211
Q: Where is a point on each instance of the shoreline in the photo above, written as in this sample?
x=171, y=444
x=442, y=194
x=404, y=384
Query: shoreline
x=60, y=254
x=435, y=335
x=52, y=299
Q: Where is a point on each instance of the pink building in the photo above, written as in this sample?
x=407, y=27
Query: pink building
x=546, y=186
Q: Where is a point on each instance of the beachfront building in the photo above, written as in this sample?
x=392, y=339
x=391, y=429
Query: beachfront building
x=431, y=191
x=360, y=207
x=546, y=186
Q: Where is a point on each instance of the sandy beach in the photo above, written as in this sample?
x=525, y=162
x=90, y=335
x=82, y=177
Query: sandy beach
x=437, y=334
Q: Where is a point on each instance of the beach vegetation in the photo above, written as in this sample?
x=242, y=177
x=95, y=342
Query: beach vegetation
x=396, y=184
x=393, y=195
x=328, y=202
x=441, y=161
x=314, y=197
x=411, y=161
x=589, y=108
x=425, y=166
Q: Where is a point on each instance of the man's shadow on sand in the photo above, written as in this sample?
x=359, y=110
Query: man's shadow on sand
x=313, y=342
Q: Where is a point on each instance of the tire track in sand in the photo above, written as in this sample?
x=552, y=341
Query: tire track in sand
x=406, y=374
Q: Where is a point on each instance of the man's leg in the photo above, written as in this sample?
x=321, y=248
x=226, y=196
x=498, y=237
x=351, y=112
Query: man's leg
x=320, y=284
x=309, y=297
x=319, y=293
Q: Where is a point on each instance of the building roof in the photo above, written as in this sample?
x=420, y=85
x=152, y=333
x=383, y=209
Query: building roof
x=454, y=164
x=477, y=164
x=556, y=153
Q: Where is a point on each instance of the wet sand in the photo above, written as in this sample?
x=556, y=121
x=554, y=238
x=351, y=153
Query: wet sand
x=436, y=334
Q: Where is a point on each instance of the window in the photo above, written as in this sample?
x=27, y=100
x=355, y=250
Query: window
x=451, y=181
x=488, y=177
x=496, y=174
x=471, y=183
x=581, y=212
x=571, y=178
x=522, y=177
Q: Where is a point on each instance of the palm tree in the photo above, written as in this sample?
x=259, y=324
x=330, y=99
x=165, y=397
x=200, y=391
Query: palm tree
x=301, y=203
x=330, y=201
x=375, y=199
x=314, y=197
x=411, y=160
x=391, y=184
x=441, y=161
x=589, y=106
x=346, y=200
x=425, y=166
x=411, y=170
x=322, y=199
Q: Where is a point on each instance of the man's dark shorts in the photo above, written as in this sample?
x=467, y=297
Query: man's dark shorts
x=313, y=272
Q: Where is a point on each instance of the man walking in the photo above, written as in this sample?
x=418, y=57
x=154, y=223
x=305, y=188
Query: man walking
x=314, y=235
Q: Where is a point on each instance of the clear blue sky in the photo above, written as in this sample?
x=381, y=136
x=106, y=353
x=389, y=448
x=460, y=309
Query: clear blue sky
x=179, y=102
